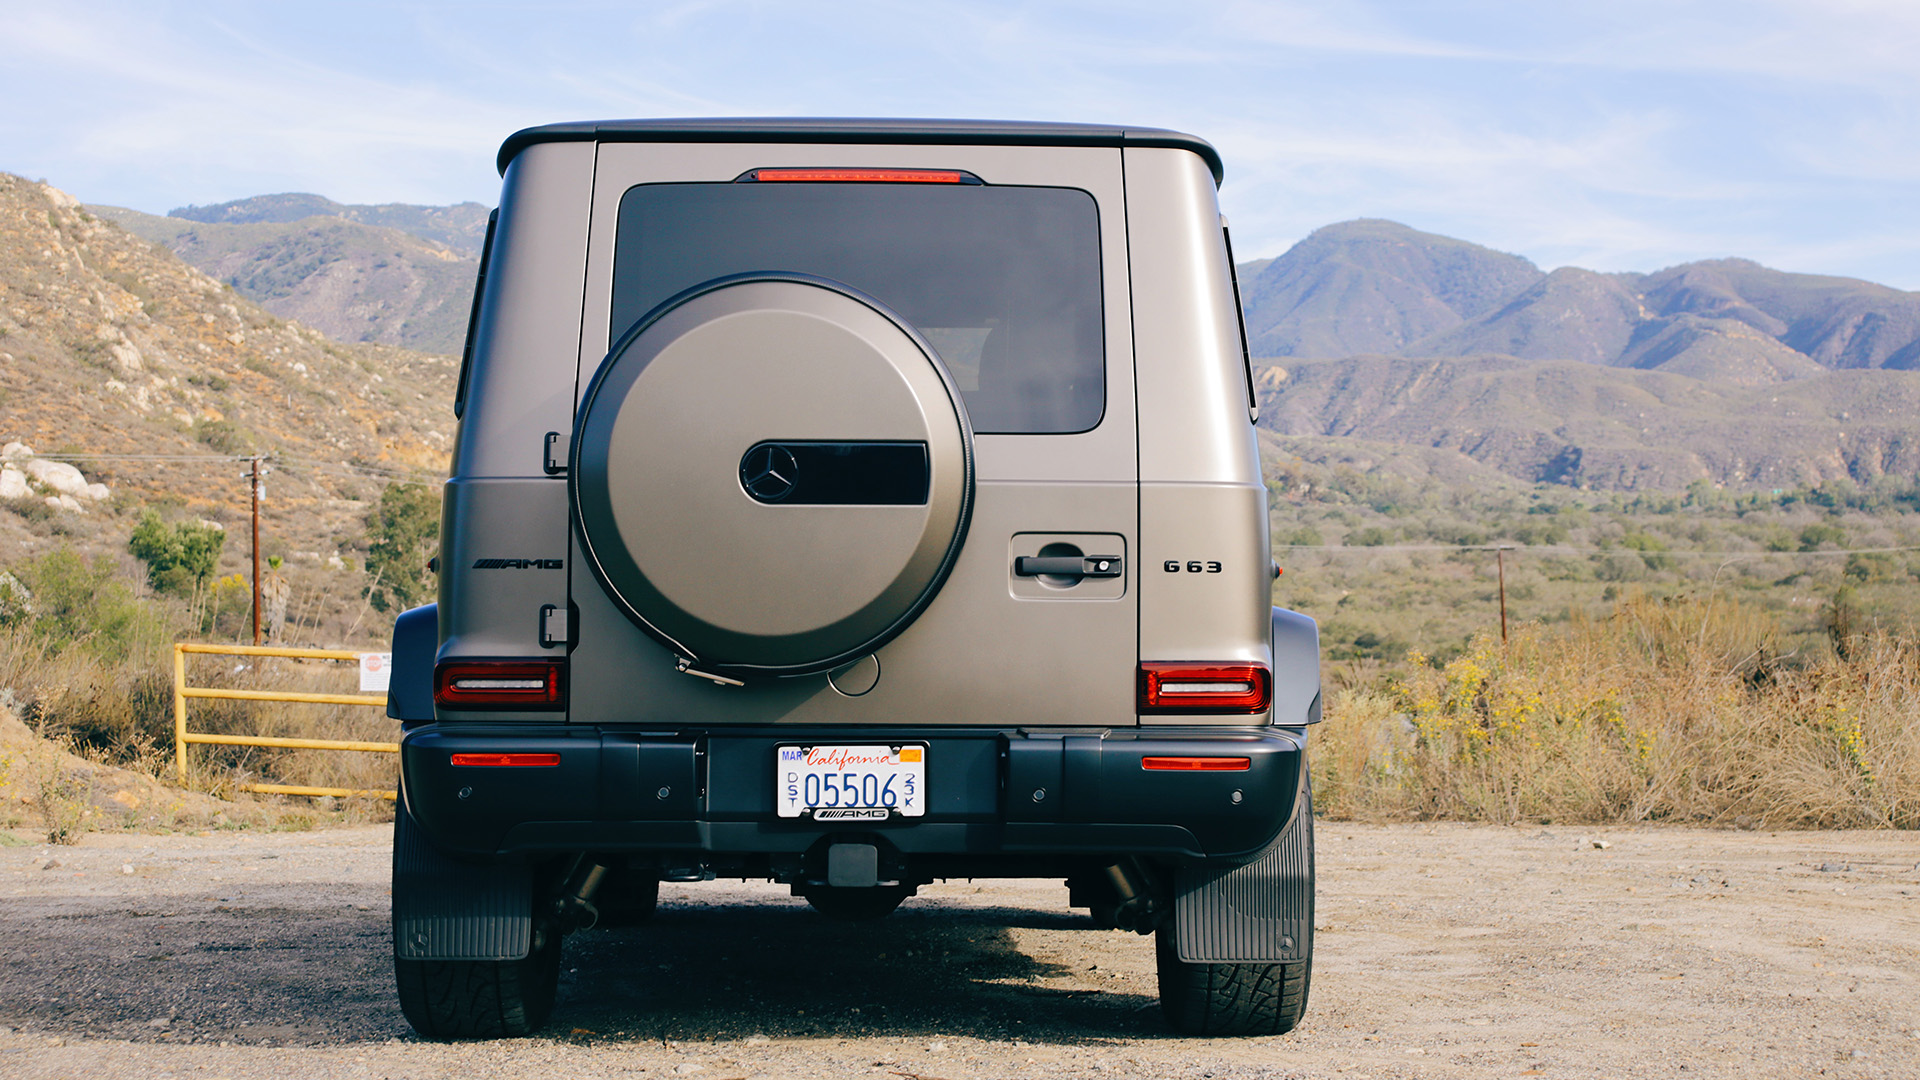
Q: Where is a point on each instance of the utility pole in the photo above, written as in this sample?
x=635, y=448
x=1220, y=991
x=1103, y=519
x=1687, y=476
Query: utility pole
x=1500, y=560
x=256, y=550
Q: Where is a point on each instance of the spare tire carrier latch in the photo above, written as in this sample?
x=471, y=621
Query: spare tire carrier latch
x=684, y=665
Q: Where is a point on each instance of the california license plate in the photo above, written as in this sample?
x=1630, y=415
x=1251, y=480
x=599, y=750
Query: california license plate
x=851, y=783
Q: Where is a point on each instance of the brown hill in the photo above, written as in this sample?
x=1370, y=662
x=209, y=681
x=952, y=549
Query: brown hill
x=111, y=346
x=462, y=226
x=1372, y=287
x=352, y=280
x=1589, y=426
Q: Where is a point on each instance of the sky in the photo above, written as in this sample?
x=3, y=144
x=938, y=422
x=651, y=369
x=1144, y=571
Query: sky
x=1624, y=135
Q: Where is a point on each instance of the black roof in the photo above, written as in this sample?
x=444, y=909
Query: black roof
x=805, y=130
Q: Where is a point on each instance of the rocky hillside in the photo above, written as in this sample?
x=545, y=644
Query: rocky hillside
x=149, y=377
x=395, y=275
x=1564, y=422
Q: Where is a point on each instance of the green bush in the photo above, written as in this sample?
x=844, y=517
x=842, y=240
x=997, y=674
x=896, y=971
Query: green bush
x=76, y=602
x=404, y=533
x=180, y=558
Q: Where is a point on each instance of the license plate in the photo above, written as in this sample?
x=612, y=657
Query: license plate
x=851, y=783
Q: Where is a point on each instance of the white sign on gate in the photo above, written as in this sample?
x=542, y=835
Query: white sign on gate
x=376, y=668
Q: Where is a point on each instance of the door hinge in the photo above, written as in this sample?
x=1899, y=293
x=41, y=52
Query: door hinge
x=556, y=626
x=558, y=447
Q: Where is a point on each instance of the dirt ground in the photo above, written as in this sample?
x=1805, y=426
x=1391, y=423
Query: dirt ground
x=1444, y=951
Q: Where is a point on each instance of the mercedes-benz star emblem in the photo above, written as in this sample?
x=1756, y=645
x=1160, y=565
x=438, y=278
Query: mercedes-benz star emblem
x=769, y=472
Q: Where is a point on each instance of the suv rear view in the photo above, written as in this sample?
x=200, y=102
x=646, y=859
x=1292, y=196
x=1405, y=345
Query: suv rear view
x=854, y=504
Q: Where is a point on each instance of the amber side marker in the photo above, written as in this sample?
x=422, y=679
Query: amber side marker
x=1196, y=764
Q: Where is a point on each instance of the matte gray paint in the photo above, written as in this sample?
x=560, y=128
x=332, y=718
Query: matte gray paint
x=496, y=613
x=528, y=332
x=975, y=655
x=1296, y=667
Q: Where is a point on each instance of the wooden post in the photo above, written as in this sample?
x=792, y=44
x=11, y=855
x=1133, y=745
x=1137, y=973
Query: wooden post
x=256, y=550
x=1500, y=558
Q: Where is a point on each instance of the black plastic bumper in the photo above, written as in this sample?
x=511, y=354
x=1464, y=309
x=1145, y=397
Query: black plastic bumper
x=993, y=792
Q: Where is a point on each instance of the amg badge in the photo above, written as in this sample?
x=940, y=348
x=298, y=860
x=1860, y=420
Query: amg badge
x=517, y=564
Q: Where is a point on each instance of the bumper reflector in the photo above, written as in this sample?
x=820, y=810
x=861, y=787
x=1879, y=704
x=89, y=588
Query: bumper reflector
x=500, y=684
x=1202, y=687
x=1196, y=764
x=508, y=761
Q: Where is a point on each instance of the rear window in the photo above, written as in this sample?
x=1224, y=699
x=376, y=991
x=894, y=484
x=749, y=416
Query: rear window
x=1004, y=282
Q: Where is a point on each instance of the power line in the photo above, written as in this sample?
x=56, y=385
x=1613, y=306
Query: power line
x=1564, y=549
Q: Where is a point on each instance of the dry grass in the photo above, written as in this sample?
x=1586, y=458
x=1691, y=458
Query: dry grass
x=1678, y=711
x=118, y=711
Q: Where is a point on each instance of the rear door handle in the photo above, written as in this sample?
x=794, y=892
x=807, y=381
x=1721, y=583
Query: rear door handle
x=1067, y=565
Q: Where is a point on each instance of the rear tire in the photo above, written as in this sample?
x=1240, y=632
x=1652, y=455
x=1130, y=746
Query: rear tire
x=476, y=999
x=857, y=905
x=481, y=999
x=1230, y=999
x=1242, y=998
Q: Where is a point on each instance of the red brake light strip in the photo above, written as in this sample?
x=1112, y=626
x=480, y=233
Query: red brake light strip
x=863, y=176
x=496, y=761
x=1196, y=764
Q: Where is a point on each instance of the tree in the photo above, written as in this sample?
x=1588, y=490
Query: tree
x=403, y=533
x=180, y=558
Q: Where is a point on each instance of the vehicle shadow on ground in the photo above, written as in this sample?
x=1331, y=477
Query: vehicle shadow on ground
x=783, y=971
x=289, y=968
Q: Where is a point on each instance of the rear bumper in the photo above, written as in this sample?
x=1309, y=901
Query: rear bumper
x=697, y=795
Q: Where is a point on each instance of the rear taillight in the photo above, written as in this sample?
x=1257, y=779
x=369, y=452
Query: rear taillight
x=862, y=176
x=506, y=761
x=500, y=684
x=1189, y=687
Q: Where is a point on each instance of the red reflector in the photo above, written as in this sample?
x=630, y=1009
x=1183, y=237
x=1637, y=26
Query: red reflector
x=500, y=684
x=1196, y=764
x=1188, y=687
x=498, y=761
x=863, y=176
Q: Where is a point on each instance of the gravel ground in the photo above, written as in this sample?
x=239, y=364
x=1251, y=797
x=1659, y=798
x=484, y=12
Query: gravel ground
x=1444, y=951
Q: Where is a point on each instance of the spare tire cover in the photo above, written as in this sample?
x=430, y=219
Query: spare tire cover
x=772, y=474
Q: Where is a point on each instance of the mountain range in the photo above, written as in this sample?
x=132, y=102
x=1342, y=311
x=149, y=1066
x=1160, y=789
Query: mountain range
x=1367, y=333
x=1724, y=370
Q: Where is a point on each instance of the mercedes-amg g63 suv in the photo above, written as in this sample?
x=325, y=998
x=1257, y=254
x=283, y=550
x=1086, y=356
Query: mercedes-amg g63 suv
x=854, y=504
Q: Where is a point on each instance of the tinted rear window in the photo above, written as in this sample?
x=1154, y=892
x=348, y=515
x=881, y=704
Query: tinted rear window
x=1004, y=282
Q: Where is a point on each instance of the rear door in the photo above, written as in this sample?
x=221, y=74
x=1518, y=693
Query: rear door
x=1016, y=277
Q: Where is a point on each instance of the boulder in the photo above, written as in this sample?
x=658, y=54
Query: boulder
x=57, y=475
x=13, y=483
x=15, y=451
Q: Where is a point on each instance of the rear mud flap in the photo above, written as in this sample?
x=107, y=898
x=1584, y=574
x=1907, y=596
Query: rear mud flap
x=448, y=909
x=1258, y=912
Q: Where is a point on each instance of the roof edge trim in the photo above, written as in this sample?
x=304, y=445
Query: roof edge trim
x=906, y=132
